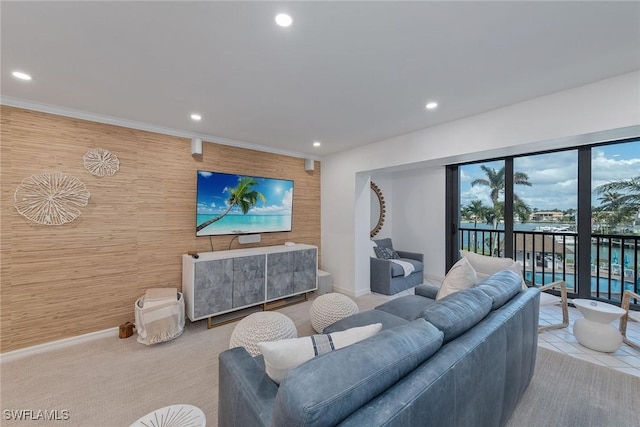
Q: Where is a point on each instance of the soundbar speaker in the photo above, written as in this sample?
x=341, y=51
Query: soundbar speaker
x=248, y=238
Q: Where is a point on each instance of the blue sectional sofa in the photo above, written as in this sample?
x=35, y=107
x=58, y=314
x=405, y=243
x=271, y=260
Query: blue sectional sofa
x=464, y=360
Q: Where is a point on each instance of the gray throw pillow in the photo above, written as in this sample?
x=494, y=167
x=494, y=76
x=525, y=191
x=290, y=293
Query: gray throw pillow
x=386, y=253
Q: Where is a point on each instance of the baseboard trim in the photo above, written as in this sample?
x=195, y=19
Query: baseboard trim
x=66, y=342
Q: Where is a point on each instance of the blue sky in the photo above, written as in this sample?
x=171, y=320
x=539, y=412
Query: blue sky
x=212, y=194
x=555, y=175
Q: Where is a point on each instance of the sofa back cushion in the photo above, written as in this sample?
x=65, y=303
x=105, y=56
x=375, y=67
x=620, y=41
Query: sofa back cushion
x=458, y=312
x=486, y=266
x=501, y=287
x=328, y=388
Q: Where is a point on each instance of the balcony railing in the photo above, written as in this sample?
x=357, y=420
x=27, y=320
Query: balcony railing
x=547, y=256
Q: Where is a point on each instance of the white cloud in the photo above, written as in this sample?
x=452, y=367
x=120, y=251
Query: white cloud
x=205, y=174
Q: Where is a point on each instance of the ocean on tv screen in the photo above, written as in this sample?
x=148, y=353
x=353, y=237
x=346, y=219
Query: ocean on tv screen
x=242, y=224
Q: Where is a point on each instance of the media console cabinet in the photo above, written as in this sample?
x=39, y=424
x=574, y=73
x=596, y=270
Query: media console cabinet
x=222, y=286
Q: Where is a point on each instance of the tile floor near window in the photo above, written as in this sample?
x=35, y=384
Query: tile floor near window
x=625, y=359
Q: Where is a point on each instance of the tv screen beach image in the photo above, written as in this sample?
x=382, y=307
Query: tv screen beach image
x=242, y=204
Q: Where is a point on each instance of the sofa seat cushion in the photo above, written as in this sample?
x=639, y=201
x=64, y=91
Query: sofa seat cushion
x=501, y=287
x=458, y=312
x=397, y=270
x=366, y=318
x=408, y=307
x=330, y=387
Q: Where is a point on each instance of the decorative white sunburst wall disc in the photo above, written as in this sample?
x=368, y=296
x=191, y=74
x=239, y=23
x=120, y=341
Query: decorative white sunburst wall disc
x=50, y=198
x=101, y=162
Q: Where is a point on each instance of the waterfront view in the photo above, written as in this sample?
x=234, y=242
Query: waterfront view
x=543, y=206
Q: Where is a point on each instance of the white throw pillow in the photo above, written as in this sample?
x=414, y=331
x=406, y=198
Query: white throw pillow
x=282, y=356
x=460, y=276
x=486, y=266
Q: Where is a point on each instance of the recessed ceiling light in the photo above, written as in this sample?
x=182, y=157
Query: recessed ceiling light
x=432, y=105
x=316, y=144
x=20, y=75
x=284, y=20
x=196, y=117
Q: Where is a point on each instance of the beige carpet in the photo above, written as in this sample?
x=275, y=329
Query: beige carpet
x=566, y=391
x=112, y=382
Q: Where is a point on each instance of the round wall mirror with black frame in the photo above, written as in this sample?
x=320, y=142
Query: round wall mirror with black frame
x=378, y=210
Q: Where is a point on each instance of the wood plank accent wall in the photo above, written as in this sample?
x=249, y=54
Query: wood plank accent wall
x=62, y=281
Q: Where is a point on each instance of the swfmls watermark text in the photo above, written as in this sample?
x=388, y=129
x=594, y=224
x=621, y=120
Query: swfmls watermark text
x=36, y=414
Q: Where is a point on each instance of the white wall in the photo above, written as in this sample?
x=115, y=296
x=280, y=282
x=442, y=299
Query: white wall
x=608, y=109
x=419, y=215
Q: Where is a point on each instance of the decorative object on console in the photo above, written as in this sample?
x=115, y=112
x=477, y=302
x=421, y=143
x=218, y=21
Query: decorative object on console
x=101, y=162
x=378, y=210
x=261, y=327
x=50, y=198
x=241, y=204
x=282, y=356
x=329, y=308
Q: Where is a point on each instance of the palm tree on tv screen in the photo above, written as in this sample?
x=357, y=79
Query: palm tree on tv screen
x=241, y=195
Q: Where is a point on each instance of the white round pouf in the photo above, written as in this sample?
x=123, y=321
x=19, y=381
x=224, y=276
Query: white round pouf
x=260, y=327
x=329, y=308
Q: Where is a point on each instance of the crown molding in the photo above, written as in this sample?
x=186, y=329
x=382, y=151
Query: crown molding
x=116, y=121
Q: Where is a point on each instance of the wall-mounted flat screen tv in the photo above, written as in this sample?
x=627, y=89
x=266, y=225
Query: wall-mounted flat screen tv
x=242, y=204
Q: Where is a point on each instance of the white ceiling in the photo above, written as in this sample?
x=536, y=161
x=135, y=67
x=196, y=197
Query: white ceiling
x=345, y=73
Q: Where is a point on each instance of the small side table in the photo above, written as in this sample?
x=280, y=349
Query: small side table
x=595, y=331
x=175, y=416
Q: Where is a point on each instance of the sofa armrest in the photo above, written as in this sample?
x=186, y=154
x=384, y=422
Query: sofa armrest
x=411, y=255
x=246, y=394
x=380, y=267
x=380, y=275
x=427, y=290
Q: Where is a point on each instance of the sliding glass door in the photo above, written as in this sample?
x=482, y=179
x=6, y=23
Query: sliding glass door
x=571, y=215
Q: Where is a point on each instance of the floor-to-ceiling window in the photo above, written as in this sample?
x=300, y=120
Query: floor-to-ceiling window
x=572, y=214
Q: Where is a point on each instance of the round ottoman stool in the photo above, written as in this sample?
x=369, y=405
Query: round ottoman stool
x=260, y=327
x=329, y=308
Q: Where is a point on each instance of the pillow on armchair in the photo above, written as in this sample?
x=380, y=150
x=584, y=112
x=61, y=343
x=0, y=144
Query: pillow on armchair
x=386, y=253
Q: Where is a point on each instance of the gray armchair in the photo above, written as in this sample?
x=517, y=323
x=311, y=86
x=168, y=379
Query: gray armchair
x=388, y=277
